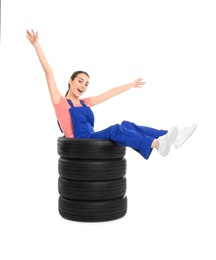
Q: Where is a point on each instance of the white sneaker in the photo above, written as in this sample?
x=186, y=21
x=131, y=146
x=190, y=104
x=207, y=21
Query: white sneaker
x=166, y=140
x=183, y=135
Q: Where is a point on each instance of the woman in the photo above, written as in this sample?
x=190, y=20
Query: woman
x=76, y=118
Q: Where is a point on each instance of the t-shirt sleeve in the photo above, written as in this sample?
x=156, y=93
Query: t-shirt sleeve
x=87, y=101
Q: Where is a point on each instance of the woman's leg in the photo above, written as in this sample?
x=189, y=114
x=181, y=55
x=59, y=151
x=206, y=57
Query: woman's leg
x=144, y=129
x=163, y=138
x=121, y=135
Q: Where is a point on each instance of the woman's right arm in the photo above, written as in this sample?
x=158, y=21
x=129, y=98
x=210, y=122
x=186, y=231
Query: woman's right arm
x=53, y=90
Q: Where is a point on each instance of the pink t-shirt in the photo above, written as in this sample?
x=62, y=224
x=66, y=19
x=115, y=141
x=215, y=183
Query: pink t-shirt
x=63, y=115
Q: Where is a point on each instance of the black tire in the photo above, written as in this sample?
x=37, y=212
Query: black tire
x=81, y=190
x=94, y=170
x=92, y=211
x=75, y=148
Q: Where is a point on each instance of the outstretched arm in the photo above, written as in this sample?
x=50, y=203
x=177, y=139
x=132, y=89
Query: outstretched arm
x=34, y=40
x=116, y=91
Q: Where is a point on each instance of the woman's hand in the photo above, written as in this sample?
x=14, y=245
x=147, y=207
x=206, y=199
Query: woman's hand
x=138, y=83
x=32, y=37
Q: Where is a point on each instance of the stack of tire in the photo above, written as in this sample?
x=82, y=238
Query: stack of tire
x=92, y=182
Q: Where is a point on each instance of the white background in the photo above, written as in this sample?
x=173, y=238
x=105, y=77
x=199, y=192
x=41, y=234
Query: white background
x=172, y=200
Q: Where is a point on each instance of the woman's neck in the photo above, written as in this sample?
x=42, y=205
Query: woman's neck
x=74, y=100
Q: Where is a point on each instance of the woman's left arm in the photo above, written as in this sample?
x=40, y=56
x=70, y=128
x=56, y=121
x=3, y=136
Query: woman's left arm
x=116, y=91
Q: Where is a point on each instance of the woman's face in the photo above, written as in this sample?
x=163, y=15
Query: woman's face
x=79, y=85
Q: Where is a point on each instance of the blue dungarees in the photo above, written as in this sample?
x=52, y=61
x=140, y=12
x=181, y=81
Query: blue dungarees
x=126, y=134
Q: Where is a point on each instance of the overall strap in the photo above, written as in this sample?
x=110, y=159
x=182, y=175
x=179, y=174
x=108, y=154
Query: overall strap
x=70, y=102
x=83, y=103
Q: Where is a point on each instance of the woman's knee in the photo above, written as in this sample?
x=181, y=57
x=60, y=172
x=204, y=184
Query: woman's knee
x=124, y=123
x=128, y=124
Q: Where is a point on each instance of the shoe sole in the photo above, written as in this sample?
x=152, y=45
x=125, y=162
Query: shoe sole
x=190, y=133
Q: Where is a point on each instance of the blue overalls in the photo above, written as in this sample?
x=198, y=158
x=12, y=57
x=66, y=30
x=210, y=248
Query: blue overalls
x=126, y=134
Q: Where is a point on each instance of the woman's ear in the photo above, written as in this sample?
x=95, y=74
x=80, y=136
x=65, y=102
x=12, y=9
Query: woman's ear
x=70, y=82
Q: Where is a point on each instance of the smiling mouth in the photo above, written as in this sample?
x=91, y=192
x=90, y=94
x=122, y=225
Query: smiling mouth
x=80, y=91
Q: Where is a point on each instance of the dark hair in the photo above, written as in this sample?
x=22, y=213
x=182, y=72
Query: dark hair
x=74, y=75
